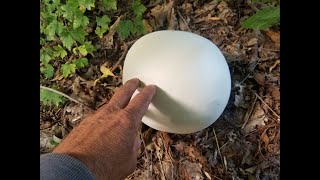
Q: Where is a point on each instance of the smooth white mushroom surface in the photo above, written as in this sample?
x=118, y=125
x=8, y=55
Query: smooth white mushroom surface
x=192, y=77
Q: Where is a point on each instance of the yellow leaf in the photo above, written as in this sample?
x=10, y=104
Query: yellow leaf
x=82, y=8
x=105, y=73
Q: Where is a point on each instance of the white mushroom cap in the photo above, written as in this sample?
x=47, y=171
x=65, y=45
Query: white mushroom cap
x=192, y=77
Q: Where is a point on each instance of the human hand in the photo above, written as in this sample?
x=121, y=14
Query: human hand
x=107, y=140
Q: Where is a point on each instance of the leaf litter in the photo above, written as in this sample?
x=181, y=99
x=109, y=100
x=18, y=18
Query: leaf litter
x=247, y=133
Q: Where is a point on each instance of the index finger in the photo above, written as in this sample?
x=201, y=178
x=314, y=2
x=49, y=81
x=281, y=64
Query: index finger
x=140, y=103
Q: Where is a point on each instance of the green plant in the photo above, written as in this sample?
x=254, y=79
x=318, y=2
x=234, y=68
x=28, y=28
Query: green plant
x=133, y=27
x=49, y=98
x=65, y=24
x=263, y=19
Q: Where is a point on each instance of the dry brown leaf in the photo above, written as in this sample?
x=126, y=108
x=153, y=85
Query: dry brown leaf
x=190, y=170
x=147, y=26
x=265, y=138
x=260, y=78
x=207, y=8
x=107, y=40
x=274, y=36
x=160, y=13
x=172, y=20
x=207, y=175
x=275, y=92
x=240, y=97
x=187, y=8
x=274, y=65
x=182, y=25
x=252, y=41
x=258, y=118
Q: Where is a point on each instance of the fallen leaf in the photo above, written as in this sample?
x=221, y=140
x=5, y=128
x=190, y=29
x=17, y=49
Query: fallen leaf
x=258, y=118
x=260, y=78
x=252, y=41
x=251, y=169
x=160, y=13
x=105, y=73
x=265, y=138
x=207, y=175
x=274, y=65
x=187, y=8
x=147, y=26
x=182, y=25
x=107, y=40
x=172, y=20
x=58, y=77
x=214, y=18
x=274, y=36
x=190, y=170
x=275, y=92
x=206, y=8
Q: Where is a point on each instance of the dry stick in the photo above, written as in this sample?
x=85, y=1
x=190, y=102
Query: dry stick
x=256, y=57
x=215, y=136
x=183, y=20
x=64, y=95
x=145, y=149
x=121, y=58
x=130, y=43
x=268, y=106
x=250, y=112
x=169, y=154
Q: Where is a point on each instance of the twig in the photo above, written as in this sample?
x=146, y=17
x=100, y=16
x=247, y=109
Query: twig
x=169, y=154
x=256, y=57
x=145, y=150
x=268, y=106
x=252, y=6
x=130, y=43
x=121, y=58
x=64, y=95
x=224, y=144
x=185, y=22
x=215, y=136
x=250, y=112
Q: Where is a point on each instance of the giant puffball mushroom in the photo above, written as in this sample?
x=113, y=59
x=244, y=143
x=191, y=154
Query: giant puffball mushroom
x=192, y=78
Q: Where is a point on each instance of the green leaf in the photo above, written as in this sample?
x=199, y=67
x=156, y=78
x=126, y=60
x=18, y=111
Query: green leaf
x=110, y=4
x=49, y=98
x=100, y=31
x=79, y=34
x=67, y=39
x=59, y=51
x=88, y=4
x=124, y=29
x=53, y=5
x=80, y=20
x=84, y=49
x=263, y=19
x=102, y=25
x=46, y=55
x=47, y=70
x=69, y=9
x=103, y=21
x=68, y=69
x=139, y=27
x=53, y=28
x=42, y=41
x=138, y=8
x=47, y=16
x=81, y=62
x=81, y=49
